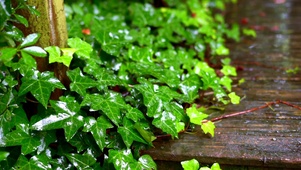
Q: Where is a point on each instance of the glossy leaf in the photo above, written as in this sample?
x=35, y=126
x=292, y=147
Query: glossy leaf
x=36, y=162
x=229, y=70
x=35, y=51
x=121, y=159
x=234, y=98
x=103, y=76
x=98, y=130
x=110, y=104
x=81, y=161
x=18, y=137
x=166, y=122
x=190, y=87
x=146, y=162
x=3, y=155
x=192, y=164
x=40, y=85
x=129, y=134
x=31, y=39
x=208, y=127
x=7, y=54
x=21, y=19
x=153, y=98
x=5, y=12
x=195, y=115
x=55, y=55
x=79, y=82
x=83, y=49
x=148, y=136
x=28, y=60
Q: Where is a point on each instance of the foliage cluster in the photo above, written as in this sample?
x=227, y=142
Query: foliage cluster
x=136, y=69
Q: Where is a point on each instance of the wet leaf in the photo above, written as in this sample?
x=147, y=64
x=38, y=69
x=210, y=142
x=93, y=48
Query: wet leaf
x=31, y=39
x=20, y=138
x=192, y=164
x=110, y=104
x=21, y=19
x=55, y=55
x=98, y=130
x=103, y=76
x=83, y=49
x=79, y=82
x=121, y=158
x=3, y=155
x=229, y=70
x=215, y=166
x=28, y=60
x=147, y=135
x=5, y=12
x=40, y=85
x=153, y=98
x=227, y=82
x=190, y=87
x=195, y=115
x=81, y=161
x=35, y=51
x=7, y=54
x=167, y=122
x=146, y=162
x=134, y=114
x=128, y=133
x=36, y=162
x=234, y=98
x=208, y=127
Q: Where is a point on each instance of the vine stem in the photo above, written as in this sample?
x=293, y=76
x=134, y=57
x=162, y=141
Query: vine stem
x=268, y=104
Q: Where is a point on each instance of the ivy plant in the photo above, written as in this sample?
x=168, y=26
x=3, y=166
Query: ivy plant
x=136, y=70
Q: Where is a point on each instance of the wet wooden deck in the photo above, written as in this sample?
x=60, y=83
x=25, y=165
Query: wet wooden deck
x=265, y=138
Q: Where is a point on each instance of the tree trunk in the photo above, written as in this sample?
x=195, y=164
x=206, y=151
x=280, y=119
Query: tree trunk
x=51, y=24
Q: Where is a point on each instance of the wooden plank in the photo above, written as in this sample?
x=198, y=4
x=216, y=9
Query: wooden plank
x=267, y=137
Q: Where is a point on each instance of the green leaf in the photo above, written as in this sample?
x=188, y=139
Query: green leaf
x=229, y=70
x=215, y=166
x=249, y=32
x=31, y=39
x=190, y=88
x=98, y=130
x=40, y=85
x=55, y=55
x=103, y=76
x=21, y=19
x=146, y=162
x=167, y=122
x=147, y=135
x=208, y=127
x=121, y=158
x=35, y=51
x=28, y=60
x=7, y=54
x=38, y=162
x=110, y=104
x=222, y=50
x=28, y=142
x=5, y=12
x=134, y=114
x=128, y=133
x=83, y=49
x=195, y=115
x=3, y=155
x=153, y=97
x=234, y=98
x=227, y=82
x=79, y=82
x=192, y=164
x=81, y=161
